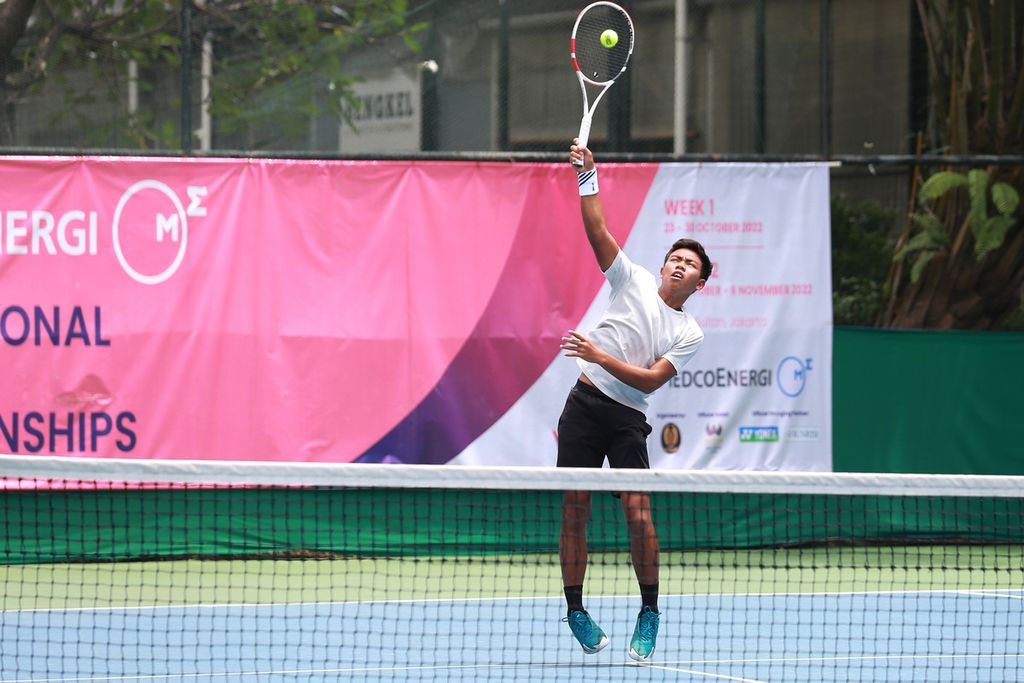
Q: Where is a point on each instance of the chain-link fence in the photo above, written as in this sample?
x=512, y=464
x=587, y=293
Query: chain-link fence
x=842, y=80
x=783, y=77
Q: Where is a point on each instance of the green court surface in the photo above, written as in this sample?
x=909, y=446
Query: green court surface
x=308, y=580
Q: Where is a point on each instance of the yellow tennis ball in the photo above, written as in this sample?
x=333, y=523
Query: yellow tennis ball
x=609, y=38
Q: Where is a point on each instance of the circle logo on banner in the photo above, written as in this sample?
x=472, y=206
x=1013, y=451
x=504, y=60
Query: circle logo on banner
x=792, y=375
x=671, y=437
x=150, y=232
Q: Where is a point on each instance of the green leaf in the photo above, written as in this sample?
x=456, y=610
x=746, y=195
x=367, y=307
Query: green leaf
x=939, y=184
x=920, y=264
x=977, y=186
x=165, y=40
x=306, y=15
x=991, y=233
x=922, y=241
x=930, y=223
x=1005, y=198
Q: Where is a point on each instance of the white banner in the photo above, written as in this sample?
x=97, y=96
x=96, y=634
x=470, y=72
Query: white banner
x=758, y=394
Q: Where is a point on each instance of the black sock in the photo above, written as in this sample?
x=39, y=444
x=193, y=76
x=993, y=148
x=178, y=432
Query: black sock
x=649, y=595
x=574, y=597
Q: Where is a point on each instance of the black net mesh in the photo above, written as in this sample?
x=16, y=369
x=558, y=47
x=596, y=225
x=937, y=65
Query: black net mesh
x=426, y=575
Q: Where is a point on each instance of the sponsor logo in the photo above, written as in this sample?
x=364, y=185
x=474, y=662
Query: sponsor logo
x=803, y=433
x=759, y=434
x=149, y=230
x=40, y=231
x=671, y=437
x=715, y=378
x=713, y=434
x=792, y=375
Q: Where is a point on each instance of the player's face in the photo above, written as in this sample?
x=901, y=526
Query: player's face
x=681, y=272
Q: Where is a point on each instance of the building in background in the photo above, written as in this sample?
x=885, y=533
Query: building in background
x=759, y=77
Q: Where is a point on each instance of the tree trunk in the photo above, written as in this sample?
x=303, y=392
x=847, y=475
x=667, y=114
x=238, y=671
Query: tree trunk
x=977, y=103
x=6, y=127
x=14, y=16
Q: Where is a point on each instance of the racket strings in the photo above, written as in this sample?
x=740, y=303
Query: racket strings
x=595, y=61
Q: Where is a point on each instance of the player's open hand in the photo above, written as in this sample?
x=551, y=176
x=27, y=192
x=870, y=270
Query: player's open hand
x=577, y=346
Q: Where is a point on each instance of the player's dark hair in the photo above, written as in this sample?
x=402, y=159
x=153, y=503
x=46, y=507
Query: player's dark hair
x=697, y=248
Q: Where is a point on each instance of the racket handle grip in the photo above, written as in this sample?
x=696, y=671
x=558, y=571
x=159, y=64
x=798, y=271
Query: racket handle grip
x=584, y=135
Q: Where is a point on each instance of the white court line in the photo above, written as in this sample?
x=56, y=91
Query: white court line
x=348, y=671
x=426, y=601
x=706, y=674
x=991, y=593
x=814, y=660
x=842, y=658
x=314, y=603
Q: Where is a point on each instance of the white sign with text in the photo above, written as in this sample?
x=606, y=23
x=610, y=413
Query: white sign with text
x=758, y=394
x=386, y=117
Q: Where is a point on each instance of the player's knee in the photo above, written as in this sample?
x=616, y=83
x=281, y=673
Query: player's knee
x=639, y=518
x=576, y=507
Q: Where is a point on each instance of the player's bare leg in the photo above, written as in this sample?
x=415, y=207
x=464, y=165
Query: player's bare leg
x=645, y=551
x=572, y=553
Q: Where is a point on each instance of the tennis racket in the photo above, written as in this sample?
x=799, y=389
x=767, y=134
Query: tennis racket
x=602, y=42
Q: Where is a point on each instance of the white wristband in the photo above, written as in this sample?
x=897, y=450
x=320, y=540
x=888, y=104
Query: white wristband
x=588, y=182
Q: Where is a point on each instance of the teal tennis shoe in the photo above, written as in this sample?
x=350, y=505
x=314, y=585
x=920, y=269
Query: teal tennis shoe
x=645, y=634
x=587, y=632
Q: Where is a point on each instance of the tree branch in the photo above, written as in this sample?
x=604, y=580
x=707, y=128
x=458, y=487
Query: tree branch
x=93, y=28
x=36, y=69
x=87, y=28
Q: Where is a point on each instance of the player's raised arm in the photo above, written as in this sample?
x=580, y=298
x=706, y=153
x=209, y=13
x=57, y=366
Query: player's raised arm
x=601, y=241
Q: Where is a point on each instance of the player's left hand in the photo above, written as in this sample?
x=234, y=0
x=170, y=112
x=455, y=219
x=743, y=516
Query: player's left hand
x=578, y=346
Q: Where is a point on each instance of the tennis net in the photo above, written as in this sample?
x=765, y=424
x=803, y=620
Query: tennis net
x=117, y=570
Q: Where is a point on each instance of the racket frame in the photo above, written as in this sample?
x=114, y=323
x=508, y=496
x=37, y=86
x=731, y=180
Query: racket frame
x=583, y=137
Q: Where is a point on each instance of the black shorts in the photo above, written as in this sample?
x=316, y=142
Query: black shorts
x=593, y=426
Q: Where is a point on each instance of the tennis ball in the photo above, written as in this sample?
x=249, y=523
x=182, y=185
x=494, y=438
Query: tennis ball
x=609, y=38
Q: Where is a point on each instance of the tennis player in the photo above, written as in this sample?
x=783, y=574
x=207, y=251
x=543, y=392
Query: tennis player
x=644, y=338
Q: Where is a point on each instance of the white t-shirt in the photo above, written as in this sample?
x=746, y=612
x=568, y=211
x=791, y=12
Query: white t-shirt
x=639, y=328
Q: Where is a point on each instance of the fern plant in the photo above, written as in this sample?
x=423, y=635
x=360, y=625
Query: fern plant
x=988, y=230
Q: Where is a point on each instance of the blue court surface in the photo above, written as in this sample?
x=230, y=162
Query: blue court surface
x=871, y=636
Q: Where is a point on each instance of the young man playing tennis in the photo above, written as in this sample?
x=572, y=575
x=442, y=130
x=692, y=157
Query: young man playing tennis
x=641, y=342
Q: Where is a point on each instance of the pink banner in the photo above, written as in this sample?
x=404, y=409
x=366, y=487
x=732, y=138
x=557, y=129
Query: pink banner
x=283, y=310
